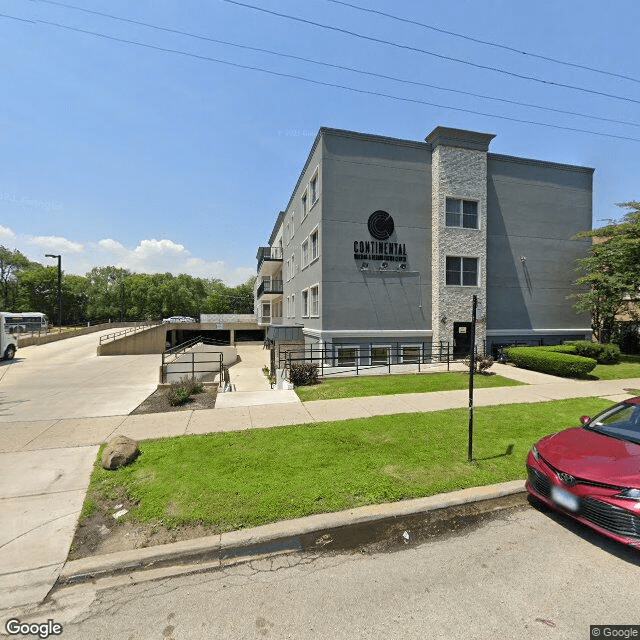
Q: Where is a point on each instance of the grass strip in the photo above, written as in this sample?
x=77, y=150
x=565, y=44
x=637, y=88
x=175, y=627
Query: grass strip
x=360, y=386
x=243, y=479
x=628, y=367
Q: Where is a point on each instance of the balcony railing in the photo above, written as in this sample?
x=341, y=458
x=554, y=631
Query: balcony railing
x=270, y=286
x=268, y=253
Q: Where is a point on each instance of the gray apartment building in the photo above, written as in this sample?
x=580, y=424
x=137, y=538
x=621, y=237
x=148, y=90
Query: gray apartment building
x=384, y=242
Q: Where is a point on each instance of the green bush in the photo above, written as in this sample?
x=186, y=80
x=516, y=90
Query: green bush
x=179, y=392
x=603, y=353
x=179, y=396
x=547, y=360
x=303, y=374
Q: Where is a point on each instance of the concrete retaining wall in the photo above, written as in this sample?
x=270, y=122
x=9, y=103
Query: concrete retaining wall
x=27, y=341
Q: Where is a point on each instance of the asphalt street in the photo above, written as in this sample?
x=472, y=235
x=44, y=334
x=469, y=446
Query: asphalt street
x=521, y=574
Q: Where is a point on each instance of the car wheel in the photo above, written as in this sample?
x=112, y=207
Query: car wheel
x=10, y=352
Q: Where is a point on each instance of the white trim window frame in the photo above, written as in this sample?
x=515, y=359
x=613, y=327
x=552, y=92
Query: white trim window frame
x=314, y=245
x=288, y=307
x=462, y=271
x=293, y=305
x=305, y=203
x=293, y=224
x=293, y=265
x=410, y=359
x=376, y=360
x=461, y=213
x=305, y=303
x=305, y=253
x=314, y=187
x=314, y=300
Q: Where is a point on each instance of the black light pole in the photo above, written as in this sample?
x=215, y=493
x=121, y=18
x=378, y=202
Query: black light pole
x=51, y=255
x=472, y=369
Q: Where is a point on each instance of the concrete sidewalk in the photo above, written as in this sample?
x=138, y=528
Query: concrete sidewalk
x=47, y=463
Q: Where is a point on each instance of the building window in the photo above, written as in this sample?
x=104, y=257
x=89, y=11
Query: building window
x=293, y=265
x=293, y=305
x=462, y=271
x=315, y=309
x=410, y=354
x=305, y=303
x=288, y=307
x=379, y=355
x=346, y=356
x=293, y=224
x=462, y=213
x=305, y=253
x=315, y=247
x=305, y=210
x=313, y=187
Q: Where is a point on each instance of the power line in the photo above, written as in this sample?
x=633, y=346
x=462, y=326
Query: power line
x=488, y=43
x=407, y=47
x=327, y=84
x=336, y=66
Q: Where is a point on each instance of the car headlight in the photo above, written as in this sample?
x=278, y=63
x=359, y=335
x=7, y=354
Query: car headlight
x=534, y=453
x=629, y=494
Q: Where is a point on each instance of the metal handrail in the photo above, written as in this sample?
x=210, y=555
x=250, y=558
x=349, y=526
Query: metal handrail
x=128, y=330
x=181, y=350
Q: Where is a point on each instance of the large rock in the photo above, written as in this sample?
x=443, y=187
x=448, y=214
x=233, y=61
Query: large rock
x=118, y=452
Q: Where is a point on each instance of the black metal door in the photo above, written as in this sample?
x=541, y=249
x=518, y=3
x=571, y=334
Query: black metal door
x=461, y=339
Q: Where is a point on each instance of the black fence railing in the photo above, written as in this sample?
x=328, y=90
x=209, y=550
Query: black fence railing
x=341, y=359
x=268, y=253
x=269, y=286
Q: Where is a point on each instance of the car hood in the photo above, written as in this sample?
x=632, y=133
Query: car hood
x=593, y=456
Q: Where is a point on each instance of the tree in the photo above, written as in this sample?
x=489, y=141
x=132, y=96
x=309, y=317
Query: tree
x=611, y=272
x=11, y=264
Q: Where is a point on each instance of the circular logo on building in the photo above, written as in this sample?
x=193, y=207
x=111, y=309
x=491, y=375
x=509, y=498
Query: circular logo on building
x=380, y=225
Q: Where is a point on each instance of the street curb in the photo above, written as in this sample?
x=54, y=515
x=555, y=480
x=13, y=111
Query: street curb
x=311, y=532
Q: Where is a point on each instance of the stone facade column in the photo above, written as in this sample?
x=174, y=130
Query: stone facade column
x=459, y=170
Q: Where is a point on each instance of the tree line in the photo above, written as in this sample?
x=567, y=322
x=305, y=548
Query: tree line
x=113, y=293
x=610, y=280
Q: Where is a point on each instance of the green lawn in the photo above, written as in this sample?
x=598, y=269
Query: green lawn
x=359, y=386
x=244, y=479
x=628, y=367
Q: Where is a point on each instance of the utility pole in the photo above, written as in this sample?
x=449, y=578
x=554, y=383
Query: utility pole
x=51, y=255
x=472, y=368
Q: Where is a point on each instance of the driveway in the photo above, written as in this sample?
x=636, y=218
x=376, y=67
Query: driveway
x=66, y=379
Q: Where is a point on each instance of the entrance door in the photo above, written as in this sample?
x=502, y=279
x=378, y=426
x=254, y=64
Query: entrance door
x=461, y=339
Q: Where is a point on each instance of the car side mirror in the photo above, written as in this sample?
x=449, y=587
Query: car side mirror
x=585, y=419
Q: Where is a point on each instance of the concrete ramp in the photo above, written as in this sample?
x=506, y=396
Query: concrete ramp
x=251, y=386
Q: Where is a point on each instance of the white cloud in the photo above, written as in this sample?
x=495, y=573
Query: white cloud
x=5, y=232
x=148, y=256
x=55, y=243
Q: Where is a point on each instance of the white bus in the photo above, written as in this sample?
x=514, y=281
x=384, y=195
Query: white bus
x=29, y=321
x=8, y=342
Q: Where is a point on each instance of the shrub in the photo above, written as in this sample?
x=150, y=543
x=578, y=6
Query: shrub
x=303, y=374
x=603, y=353
x=482, y=363
x=547, y=360
x=179, y=396
x=180, y=391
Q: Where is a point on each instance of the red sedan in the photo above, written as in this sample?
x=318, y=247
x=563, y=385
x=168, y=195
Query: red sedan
x=592, y=473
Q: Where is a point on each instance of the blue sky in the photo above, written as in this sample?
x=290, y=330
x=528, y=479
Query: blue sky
x=114, y=153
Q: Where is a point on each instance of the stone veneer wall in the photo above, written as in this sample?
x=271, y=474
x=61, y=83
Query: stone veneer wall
x=458, y=173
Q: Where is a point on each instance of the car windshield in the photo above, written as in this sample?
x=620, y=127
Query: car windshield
x=621, y=422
